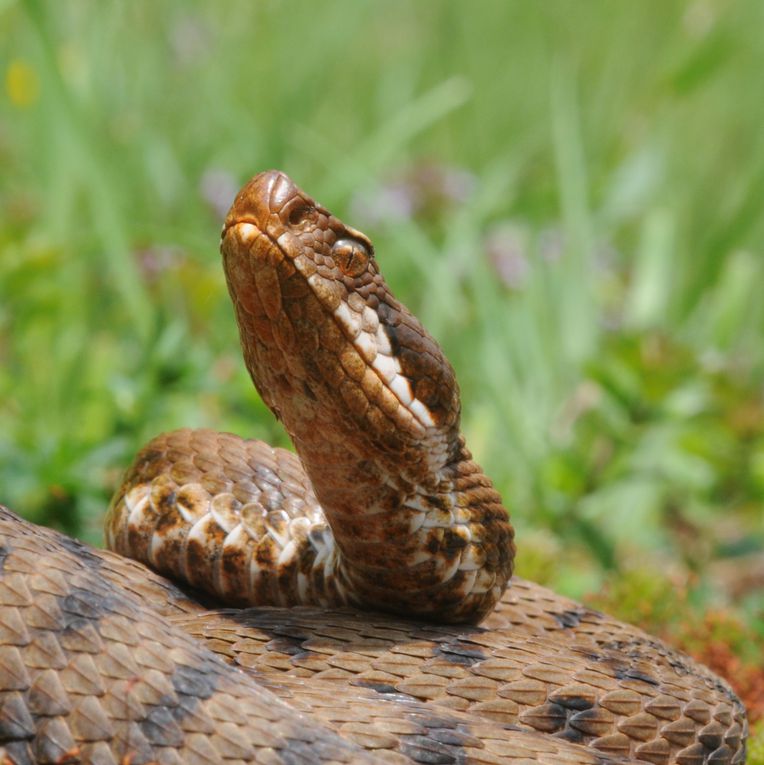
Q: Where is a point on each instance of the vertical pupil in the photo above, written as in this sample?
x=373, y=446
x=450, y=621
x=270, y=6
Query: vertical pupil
x=350, y=256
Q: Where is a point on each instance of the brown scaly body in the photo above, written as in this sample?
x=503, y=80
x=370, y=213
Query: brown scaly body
x=96, y=666
x=614, y=689
x=539, y=661
x=90, y=674
x=93, y=670
x=383, y=510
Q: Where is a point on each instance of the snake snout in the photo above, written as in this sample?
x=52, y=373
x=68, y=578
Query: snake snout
x=262, y=201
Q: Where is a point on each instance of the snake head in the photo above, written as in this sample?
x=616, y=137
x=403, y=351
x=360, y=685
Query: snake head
x=325, y=341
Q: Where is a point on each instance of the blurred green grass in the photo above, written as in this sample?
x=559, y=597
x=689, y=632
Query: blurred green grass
x=568, y=194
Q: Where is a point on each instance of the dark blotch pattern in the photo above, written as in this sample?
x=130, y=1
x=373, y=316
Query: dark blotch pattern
x=463, y=654
x=570, y=618
x=82, y=552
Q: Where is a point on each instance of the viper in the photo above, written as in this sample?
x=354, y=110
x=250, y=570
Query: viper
x=376, y=619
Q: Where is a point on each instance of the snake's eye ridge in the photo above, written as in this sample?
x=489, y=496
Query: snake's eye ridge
x=351, y=256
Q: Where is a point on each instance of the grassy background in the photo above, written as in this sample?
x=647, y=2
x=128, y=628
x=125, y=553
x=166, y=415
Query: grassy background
x=568, y=194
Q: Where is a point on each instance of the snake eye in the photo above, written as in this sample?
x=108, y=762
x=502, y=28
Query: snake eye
x=351, y=256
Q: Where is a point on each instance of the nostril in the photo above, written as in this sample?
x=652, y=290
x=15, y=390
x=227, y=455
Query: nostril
x=299, y=213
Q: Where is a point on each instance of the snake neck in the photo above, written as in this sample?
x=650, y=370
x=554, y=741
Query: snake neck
x=440, y=549
x=455, y=549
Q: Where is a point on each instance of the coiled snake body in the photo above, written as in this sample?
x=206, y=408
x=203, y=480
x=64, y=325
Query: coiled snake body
x=102, y=660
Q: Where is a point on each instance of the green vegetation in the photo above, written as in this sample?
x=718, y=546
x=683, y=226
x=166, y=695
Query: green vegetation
x=568, y=194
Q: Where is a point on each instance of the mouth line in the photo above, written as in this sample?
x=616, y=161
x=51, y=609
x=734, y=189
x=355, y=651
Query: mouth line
x=246, y=219
x=250, y=221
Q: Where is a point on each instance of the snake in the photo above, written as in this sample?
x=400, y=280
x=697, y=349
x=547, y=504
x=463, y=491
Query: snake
x=351, y=601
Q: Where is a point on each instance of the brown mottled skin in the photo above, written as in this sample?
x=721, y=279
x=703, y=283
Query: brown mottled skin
x=102, y=660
